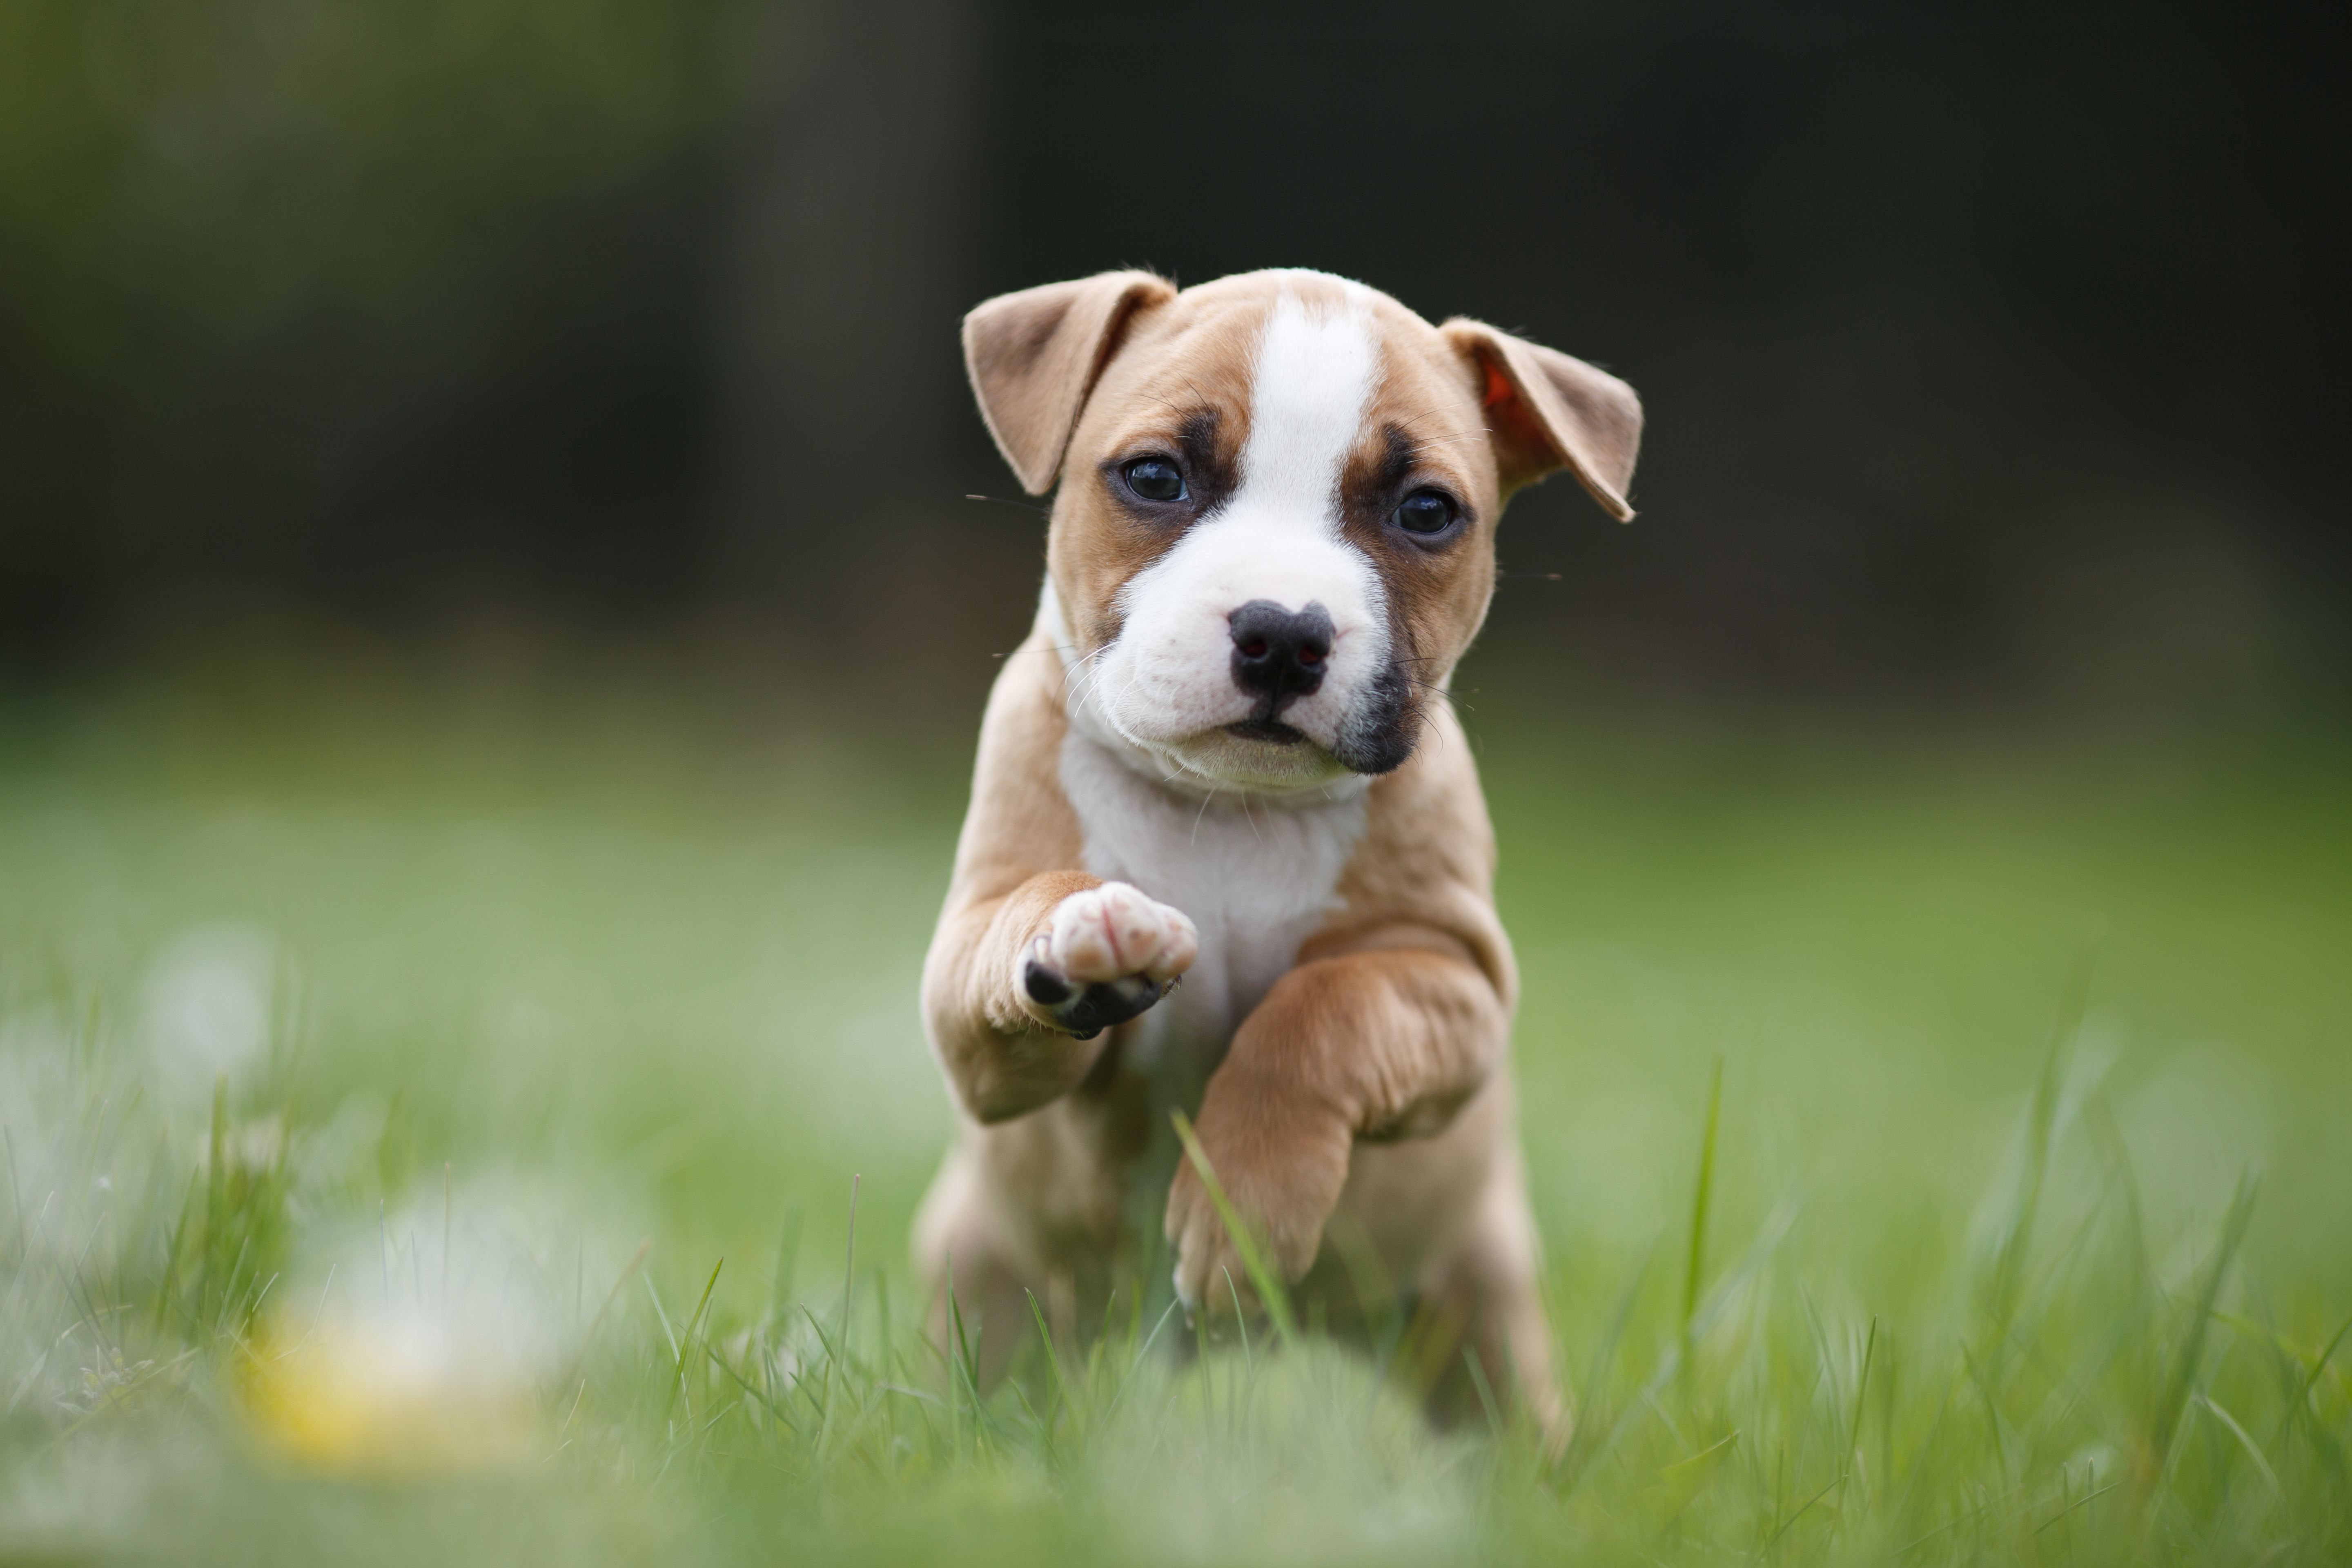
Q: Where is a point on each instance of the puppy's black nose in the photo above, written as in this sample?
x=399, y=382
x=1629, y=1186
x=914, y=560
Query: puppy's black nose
x=1280, y=654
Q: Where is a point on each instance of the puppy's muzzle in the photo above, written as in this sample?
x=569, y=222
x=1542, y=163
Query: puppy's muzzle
x=1279, y=657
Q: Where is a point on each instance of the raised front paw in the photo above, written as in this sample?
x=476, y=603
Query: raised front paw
x=1108, y=954
x=1281, y=1168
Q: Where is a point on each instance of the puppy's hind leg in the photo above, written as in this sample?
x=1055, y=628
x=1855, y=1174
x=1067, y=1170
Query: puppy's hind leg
x=978, y=1308
x=1480, y=1302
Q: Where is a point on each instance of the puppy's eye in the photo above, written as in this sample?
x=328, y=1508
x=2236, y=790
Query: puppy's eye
x=1426, y=512
x=1155, y=479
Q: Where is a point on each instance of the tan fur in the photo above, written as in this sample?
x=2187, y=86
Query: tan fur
x=1361, y=1118
x=1011, y=868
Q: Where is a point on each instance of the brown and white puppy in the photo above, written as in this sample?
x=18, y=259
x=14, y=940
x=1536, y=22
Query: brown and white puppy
x=1224, y=754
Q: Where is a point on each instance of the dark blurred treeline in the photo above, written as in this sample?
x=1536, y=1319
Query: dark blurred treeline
x=1995, y=357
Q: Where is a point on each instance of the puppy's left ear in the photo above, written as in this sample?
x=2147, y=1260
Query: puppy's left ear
x=1034, y=357
x=1548, y=411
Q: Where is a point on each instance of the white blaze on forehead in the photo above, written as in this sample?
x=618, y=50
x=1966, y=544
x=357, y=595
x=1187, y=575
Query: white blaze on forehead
x=1313, y=376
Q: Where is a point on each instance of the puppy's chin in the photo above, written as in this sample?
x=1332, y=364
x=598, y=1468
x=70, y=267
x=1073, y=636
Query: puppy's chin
x=1254, y=756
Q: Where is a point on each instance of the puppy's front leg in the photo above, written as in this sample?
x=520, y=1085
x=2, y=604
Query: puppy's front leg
x=1386, y=1043
x=1019, y=988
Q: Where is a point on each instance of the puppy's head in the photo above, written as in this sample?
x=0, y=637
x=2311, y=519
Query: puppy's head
x=1275, y=532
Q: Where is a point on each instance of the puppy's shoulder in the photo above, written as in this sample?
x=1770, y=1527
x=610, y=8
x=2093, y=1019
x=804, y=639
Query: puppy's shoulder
x=1427, y=821
x=1020, y=821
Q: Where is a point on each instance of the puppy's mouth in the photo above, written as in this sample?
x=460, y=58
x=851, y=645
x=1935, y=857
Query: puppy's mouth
x=1270, y=731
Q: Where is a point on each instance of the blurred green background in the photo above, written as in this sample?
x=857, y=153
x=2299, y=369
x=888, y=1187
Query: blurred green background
x=1992, y=355
x=491, y=640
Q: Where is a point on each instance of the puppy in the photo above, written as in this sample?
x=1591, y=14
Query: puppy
x=1223, y=757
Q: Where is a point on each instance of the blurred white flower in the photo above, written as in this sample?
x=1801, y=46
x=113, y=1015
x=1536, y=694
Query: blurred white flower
x=204, y=1005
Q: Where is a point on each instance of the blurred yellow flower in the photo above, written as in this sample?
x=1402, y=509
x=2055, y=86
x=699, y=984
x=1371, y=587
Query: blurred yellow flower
x=406, y=1396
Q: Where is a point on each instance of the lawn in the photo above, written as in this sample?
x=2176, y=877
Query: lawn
x=433, y=1109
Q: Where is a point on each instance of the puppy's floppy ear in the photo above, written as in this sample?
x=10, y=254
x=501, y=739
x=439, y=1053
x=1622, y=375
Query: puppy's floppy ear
x=1034, y=357
x=1548, y=411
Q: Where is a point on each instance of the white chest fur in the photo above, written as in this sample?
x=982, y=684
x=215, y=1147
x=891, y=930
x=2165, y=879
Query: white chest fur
x=1257, y=878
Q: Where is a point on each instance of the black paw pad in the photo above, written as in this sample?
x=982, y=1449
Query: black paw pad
x=1099, y=1006
x=1045, y=988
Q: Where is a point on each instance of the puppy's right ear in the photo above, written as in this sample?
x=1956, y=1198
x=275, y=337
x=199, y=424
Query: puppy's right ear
x=1034, y=357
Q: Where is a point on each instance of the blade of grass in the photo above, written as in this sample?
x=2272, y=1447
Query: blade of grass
x=1263, y=1278
x=2262, y=1466
x=720, y=1362
x=1142, y=1353
x=686, y=1341
x=1568, y=1468
x=1241, y=1320
x=1861, y=1387
x=636, y=1260
x=886, y=1336
x=788, y=1253
x=1200, y=1324
x=1761, y=1251
x=2173, y=1402
x=1766, y=1549
x=1700, y=1201
x=964, y=1360
x=1485, y=1393
x=669, y=1334
x=1061, y=1382
x=2009, y=1264
x=2311, y=1380
x=165, y=1297
x=849, y=1266
x=2078, y=1502
x=839, y=1354
x=1710, y=1451
x=1038, y=1424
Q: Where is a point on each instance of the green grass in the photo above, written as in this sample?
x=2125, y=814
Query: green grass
x=386, y=1023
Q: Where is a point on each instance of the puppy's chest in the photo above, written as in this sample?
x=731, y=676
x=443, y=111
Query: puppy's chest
x=1257, y=880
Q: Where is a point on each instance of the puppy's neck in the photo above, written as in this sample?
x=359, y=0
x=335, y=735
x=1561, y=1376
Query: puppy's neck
x=1091, y=725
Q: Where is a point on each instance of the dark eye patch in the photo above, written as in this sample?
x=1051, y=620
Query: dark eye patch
x=1397, y=457
x=1192, y=471
x=1207, y=465
x=1384, y=498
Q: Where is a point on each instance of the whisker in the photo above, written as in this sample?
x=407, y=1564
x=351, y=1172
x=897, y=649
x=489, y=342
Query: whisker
x=1001, y=500
x=1417, y=442
x=1078, y=685
x=1424, y=414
